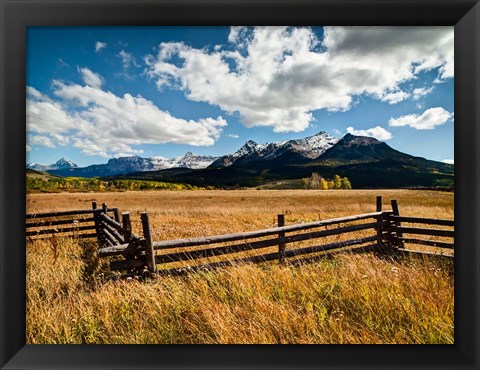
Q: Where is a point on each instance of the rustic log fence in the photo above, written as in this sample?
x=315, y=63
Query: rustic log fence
x=76, y=223
x=140, y=255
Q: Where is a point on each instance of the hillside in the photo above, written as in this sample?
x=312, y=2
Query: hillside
x=367, y=162
x=33, y=174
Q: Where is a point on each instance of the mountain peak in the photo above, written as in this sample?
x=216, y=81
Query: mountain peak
x=307, y=148
x=250, y=144
x=188, y=160
x=350, y=139
x=63, y=163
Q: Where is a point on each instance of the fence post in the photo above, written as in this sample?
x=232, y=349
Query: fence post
x=104, y=208
x=379, y=203
x=127, y=227
x=281, y=235
x=97, y=223
x=379, y=219
x=398, y=243
x=149, y=252
x=116, y=214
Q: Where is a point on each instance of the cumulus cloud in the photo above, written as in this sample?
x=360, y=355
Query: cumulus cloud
x=428, y=120
x=277, y=76
x=46, y=116
x=101, y=123
x=91, y=78
x=377, y=132
x=99, y=46
x=28, y=147
x=233, y=136
x=449, y=161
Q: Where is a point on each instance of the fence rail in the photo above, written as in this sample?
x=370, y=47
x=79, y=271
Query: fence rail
x=397, y=231
x=142, y=255
x=73, y=223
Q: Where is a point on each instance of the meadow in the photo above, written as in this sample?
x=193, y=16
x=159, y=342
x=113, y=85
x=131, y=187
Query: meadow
x=347, y=299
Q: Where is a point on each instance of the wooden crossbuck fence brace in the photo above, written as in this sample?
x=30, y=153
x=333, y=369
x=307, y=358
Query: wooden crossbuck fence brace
x=140, y=255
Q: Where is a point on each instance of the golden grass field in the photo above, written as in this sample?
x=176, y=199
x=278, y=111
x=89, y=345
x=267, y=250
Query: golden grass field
x=348, y=299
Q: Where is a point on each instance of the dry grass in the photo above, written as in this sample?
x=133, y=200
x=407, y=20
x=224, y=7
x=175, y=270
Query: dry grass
x=349, y=299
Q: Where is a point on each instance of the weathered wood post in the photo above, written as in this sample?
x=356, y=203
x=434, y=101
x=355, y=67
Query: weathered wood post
x=116, y=214
x=100, y=227
x=379, y=203
x=281, y=235
x=379, y=219
x=149, y=252
x=97, y=224
x=127, y=227
x=398, y=234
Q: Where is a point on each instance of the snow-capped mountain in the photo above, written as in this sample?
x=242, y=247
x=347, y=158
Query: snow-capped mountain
x=310, y=147
x=130, y=164
x=125, y=165
x=284, y=151
x=61, y=164
x=189, y=160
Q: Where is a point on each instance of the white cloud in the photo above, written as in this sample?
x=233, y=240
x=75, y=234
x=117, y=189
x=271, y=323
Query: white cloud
x=61, y=140
x=233, y=136
x=277, y=76
x=101, y=123
x=45, y=116
x=449, y=161
x=91, y=78
x=40, y=140
x=99, y=46
x=129, y=154
x=421, y=91
x=394, y=97
x=28, y=147
x=127, y=59
x=428, y=120
x=377, y=132
x=236, y=33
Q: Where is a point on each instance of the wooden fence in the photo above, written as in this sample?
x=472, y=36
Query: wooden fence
x=77, y=223
x=382, y=231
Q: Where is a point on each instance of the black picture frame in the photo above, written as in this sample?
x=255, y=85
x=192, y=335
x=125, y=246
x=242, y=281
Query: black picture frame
x=16, y=15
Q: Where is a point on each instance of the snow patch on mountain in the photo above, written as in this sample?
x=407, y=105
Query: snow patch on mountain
x=310, y=147
x=189, y=160
x=61, y=164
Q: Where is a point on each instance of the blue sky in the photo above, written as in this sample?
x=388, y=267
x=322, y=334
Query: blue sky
x=98, y=92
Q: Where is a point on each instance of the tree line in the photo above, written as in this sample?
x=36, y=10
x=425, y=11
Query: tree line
x=318, y=182
x=79, y=184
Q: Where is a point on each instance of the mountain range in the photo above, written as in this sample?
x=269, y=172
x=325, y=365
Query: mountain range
x=366, y=161
x=61, y=164
x=124, y=165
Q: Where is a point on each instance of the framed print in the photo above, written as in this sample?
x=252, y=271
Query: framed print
x=182, y=174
